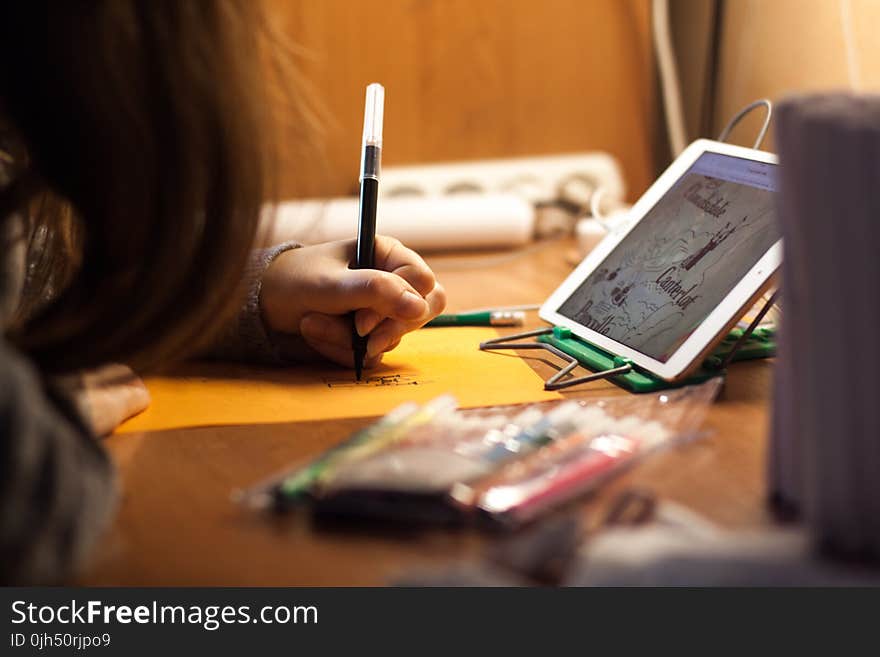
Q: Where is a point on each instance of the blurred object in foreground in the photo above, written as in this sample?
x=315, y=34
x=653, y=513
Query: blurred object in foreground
x=825, y=450
x=674, y=546
x=664, y=554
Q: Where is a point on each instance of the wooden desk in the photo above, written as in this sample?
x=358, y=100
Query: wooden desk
x=177, y=525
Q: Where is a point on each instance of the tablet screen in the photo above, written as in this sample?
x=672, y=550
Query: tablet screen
x=683, y=258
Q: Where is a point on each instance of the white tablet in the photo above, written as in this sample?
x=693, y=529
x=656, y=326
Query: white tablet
x=701, y=247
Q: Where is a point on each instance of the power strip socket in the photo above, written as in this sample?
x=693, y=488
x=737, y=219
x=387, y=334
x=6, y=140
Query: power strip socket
x=571, y=177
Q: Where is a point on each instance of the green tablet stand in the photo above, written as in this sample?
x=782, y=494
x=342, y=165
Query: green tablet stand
x=739, y=344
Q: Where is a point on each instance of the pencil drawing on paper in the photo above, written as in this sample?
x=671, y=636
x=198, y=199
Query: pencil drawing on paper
x=383, y=381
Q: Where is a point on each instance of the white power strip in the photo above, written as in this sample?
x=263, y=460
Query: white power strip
x=426, y=223
x=456, y=205
x=571, y=177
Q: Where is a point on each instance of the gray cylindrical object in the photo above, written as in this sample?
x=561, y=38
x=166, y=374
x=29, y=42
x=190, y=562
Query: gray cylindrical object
x=825, y=446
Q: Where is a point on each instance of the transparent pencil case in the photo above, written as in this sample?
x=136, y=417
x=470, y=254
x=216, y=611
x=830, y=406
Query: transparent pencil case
x=504, y=465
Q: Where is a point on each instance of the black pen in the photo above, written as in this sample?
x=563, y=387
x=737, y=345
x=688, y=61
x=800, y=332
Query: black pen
x=366, y=240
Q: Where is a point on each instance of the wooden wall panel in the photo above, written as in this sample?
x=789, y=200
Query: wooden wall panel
x=469, y=79
x=772, y=48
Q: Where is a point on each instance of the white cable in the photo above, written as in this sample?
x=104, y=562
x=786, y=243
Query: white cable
x=853, y=69
x=668, y=77
x=595, y=207
x=763, y=102
x=611, y=220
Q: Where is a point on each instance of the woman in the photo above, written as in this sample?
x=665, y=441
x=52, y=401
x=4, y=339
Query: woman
x=136, y=162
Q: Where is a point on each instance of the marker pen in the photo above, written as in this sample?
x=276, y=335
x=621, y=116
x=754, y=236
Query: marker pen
x=386, y=436
x=298, y=484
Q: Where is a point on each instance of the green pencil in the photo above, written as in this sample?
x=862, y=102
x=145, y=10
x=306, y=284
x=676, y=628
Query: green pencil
x=485, y=318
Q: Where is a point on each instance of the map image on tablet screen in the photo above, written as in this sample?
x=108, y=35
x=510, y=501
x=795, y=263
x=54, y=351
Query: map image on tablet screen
x=683, y=258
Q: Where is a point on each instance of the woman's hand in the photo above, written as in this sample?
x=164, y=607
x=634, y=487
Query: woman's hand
x=107, y=396
x=311, y=290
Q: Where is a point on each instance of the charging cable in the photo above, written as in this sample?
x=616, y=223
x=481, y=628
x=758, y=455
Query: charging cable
x=763, y=102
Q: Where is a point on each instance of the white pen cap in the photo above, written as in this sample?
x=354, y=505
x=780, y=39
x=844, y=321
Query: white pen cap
x=374, y=109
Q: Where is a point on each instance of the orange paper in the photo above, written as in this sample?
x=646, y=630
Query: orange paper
x=428, y=363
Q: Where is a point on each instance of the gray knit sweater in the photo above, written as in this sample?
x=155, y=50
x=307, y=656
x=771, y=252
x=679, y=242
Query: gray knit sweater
x=57, y=489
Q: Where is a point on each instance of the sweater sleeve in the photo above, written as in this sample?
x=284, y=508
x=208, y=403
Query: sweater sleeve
x=57, y=491
x=246, y=337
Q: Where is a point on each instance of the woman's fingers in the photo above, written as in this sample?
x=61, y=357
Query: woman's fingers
x=365, y=320
x=386, y=336
x=110, y=395
x=314, y=291
x=394, y=257
x=318, y=279
x=334, y=335
x=329, y=329
x=338, y=353
x=383, y=295
x=386, y=293
x=333, y=332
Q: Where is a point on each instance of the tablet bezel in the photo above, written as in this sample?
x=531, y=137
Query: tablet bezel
x=699, y=343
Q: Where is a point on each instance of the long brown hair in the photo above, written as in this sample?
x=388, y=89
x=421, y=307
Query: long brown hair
x=144, y=156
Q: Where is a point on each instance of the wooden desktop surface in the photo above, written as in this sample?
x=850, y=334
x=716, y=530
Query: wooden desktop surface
x=176, y=524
